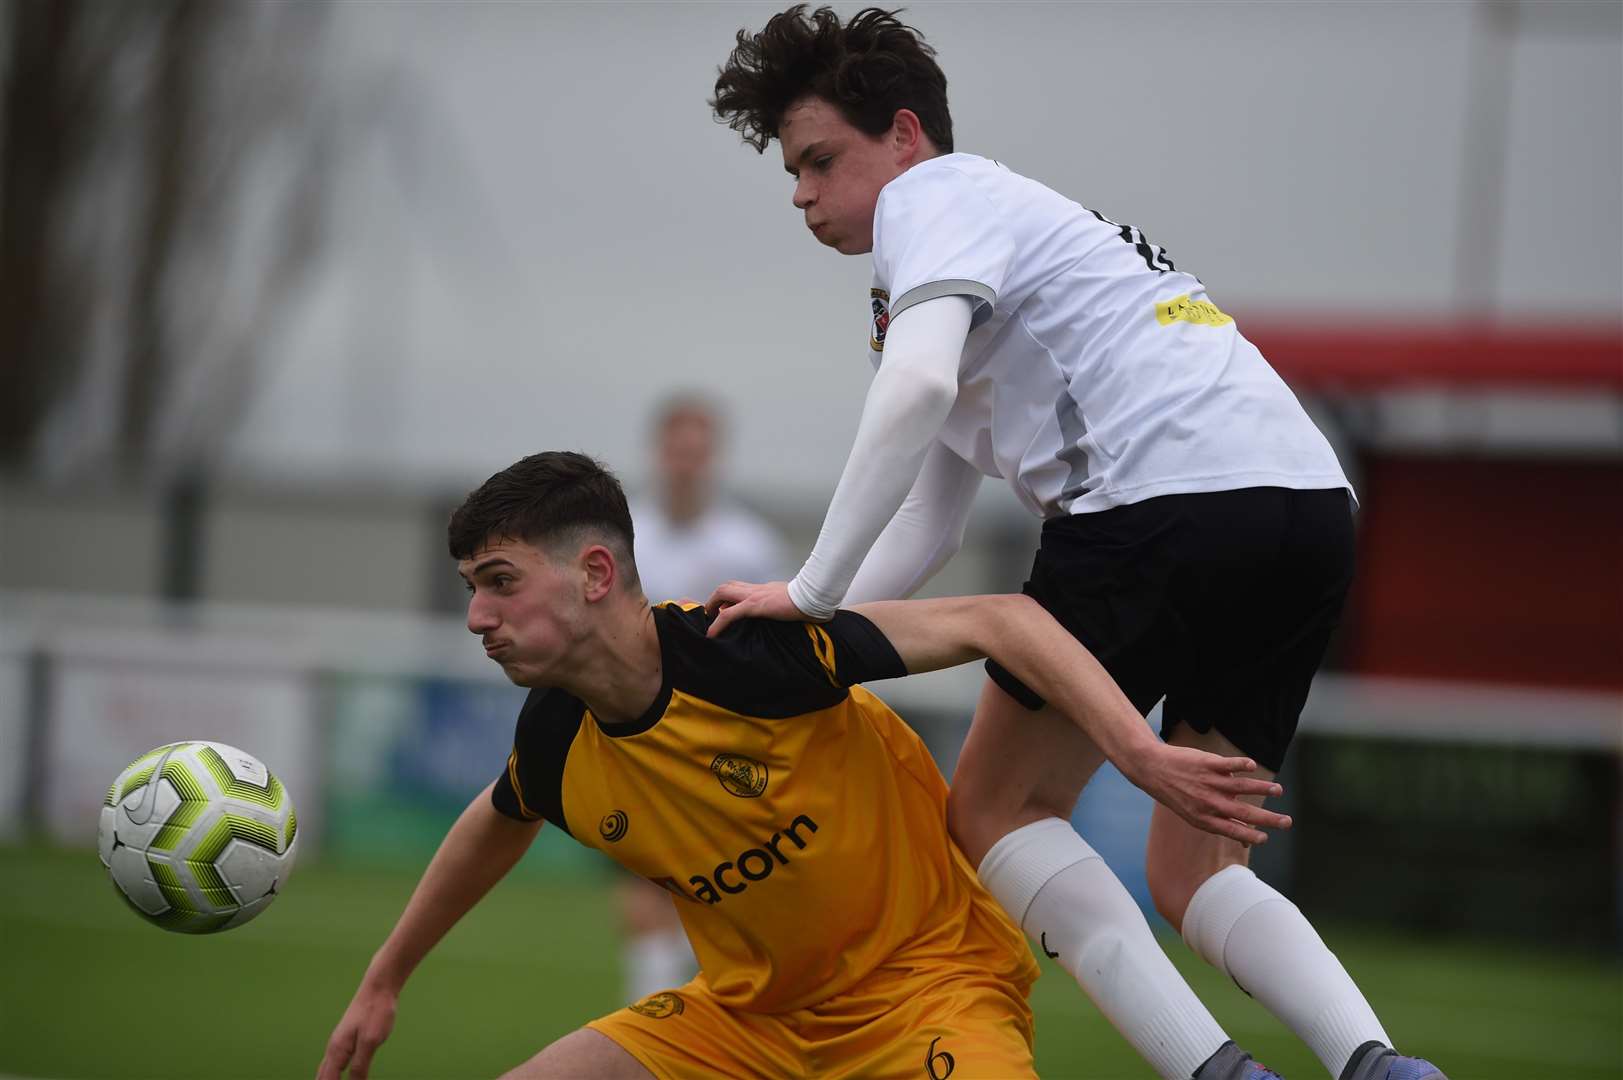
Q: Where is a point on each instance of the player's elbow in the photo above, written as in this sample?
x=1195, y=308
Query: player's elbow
x=918, y=388
x=934, y=392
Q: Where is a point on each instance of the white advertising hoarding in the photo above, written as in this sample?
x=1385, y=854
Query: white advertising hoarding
x=105, y=710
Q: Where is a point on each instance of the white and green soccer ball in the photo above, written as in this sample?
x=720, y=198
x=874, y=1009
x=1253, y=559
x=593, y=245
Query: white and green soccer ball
x=198, y=836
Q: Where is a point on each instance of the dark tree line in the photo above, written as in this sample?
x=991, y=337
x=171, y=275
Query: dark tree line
x=164, y=176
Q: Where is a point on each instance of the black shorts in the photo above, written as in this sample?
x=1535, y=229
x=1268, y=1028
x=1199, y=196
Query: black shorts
x=1221, y=602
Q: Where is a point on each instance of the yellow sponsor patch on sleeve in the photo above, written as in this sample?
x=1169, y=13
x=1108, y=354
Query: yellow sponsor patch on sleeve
x=1183, y=309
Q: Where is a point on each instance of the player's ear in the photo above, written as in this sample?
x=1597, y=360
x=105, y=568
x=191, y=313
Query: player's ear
x=906, y=132
x=599, y=571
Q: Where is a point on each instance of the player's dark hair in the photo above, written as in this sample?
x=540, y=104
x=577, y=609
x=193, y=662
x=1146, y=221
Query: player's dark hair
x=544, y=499
x=867, y=68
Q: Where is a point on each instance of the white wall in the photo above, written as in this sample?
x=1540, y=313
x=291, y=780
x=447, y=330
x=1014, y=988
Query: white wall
x=556, y=232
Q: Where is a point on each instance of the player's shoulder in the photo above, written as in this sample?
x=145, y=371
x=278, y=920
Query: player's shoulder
x=680, y=622
x=943, y=175
x=531, y=787
x=984, y=182
x=770, y=668
x=755, y=667
x=938, y=197
x=957, y=164
x=687, y=647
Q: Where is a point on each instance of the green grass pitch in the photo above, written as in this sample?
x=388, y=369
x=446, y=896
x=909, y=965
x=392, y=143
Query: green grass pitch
x=88, y=990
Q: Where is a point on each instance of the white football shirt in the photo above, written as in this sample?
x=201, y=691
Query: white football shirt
x=1095, y=373
x=687, y=560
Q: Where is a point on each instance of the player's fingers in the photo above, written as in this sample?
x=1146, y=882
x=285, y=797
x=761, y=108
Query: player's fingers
x=726, y=593
x=1265, y=819
x=1250, y=814
x=1226, y=822
x=360, y=1066
x=1251, y=785
x=1248, y=837
x=725, y=616
x=334, y=1060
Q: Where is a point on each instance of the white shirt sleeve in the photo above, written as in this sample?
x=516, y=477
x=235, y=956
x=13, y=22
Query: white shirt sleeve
x=909, y=400
x=926, y=532
x=937, y=234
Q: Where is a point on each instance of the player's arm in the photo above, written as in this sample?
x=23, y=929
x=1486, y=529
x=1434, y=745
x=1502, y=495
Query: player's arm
x=1015, y=631
x=479, y=850
x=908, y=402
x=924, y=534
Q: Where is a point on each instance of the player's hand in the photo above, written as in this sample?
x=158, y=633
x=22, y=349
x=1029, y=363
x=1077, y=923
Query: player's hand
x=741, y=600
x=1206, y=790
x=366, y=1023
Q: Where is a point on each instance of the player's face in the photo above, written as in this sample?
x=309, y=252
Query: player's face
x=838, y=172
x=687, y=450
x=526, y=607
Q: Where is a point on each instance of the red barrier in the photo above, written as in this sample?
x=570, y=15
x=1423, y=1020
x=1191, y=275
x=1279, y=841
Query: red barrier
x=1333, y=354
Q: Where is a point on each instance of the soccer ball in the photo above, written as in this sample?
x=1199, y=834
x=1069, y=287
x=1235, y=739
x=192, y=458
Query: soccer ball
x=198, y=836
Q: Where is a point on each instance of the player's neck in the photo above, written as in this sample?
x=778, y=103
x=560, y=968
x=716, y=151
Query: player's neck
x=620, y=672
x=685, y=505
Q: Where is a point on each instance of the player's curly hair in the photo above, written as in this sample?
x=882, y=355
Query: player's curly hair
x=867, y=68
x=544, y=499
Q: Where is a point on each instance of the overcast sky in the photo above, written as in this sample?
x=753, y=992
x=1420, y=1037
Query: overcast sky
x=552, y=232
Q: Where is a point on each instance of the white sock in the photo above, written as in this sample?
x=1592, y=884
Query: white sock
x=1246, y=929
x=659, y=961
x=1068, y=902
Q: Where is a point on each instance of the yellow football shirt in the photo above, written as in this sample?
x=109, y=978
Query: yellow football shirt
x=800, y=822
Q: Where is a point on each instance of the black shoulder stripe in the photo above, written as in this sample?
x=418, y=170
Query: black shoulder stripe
x=547, y=726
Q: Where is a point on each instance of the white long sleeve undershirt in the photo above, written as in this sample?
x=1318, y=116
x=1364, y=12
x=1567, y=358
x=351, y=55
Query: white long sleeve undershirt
x=911, y=395
x=923, y=535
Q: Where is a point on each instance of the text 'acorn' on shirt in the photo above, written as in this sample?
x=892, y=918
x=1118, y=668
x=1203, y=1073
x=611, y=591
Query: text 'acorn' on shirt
x=753, y=865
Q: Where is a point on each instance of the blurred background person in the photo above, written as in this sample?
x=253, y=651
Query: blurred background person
x=690, y=538
x=281, y=277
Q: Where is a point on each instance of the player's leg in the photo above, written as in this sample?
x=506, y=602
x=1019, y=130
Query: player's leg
x=655, y=954
x=1266, y=572
x=1018, y=776
x=583, y=1054
x=1016, y=768
x=1202, y=885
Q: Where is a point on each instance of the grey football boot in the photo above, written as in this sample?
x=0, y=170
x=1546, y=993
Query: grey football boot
x=1373, y=1061
x=1232, y=1063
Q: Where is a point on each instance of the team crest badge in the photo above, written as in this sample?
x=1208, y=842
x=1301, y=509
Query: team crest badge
x=741, y=776
x=659, y=1006
x=613, y=826
x=879, y=303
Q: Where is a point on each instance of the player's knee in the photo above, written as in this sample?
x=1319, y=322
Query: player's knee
x=1171, y=887
x=979, y=814
x=977, y=818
